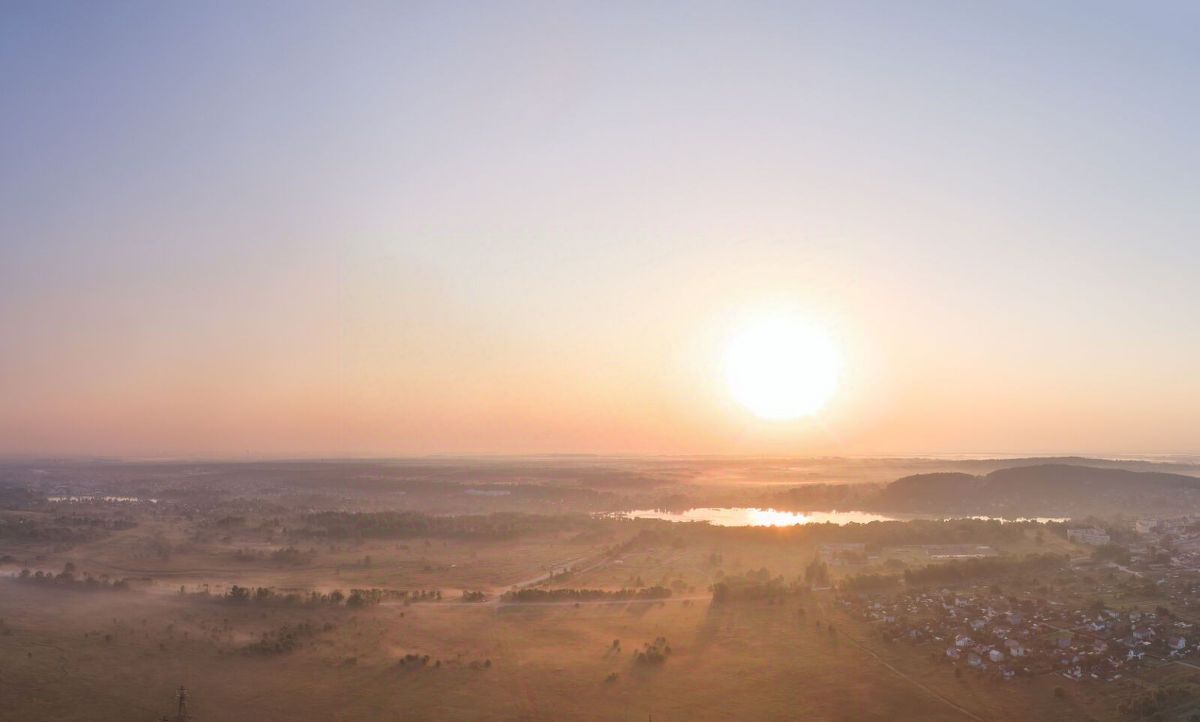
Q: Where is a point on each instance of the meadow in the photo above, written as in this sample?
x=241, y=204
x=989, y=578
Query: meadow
x=248, y=600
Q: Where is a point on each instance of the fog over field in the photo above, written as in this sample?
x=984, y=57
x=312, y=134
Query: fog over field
x=525, y=589
x=527, y=361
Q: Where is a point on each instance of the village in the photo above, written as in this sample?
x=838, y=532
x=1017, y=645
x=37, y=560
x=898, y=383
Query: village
x=1103, y=615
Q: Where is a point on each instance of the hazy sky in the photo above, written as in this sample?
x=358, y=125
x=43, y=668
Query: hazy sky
x=388, y=228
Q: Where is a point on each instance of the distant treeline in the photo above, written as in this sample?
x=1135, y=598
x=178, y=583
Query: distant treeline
x=985, y=568
x=534, y=595
x=822, y=496
x=879, y=534
x=63, y=528
x=1058, y=489
x=356, y=598
x=15, y=497
x=68, y=580
x=752, y=586
x=289, y=556
x=407, y=524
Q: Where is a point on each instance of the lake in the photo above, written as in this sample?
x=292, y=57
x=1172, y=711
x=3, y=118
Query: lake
x=751, y=516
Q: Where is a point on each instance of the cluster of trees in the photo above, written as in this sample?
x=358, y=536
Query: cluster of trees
x=646, y=539
x=1111, y=553
x=419, y=595
x=67, y=579
x=869, y=582
x=267, y=595
x=473, y=596
x=817, y=572
x=356, y=597
x=822, y=496
x=407, y=524
x=533, y=594
x=1157, y=703
x=655, y=652
x=751, y=586
x=983, y=568
x=418, y=661
x=283, y=640
x=16, y=497
x=61, y=529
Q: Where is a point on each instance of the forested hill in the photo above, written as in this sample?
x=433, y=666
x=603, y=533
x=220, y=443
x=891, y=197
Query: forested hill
x=1042, y=490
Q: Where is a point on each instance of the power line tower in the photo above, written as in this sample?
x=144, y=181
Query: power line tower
x=182, y=714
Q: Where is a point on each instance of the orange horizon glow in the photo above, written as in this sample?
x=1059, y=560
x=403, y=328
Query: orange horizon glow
x=394, y=230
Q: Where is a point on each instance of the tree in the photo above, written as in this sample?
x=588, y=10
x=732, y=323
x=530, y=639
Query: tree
x=817, y=572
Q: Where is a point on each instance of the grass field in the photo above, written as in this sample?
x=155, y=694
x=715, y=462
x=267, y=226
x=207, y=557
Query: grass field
x=113, y=655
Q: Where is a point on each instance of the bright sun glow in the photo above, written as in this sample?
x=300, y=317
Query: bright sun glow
x=781, y=369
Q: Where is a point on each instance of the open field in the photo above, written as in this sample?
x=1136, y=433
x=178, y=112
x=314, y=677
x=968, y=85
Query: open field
x=246, y=599
x=758, y=662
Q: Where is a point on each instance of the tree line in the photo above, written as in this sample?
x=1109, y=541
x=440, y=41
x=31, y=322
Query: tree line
x=534, y=595
x=408, y=524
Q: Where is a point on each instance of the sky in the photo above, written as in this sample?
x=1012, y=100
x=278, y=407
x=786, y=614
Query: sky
x=237, y=229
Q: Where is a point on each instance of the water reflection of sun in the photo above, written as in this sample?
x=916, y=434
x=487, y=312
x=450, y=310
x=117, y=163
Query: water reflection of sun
x=771, y=517
x=749, y=516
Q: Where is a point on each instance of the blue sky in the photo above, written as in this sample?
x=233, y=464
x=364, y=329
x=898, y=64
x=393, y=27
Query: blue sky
x=400, y=228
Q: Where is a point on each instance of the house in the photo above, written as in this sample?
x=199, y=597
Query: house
x=974, y=659
x=962, y=640
x=1088, y=535
x=996, y=655
x=1145, y=526
x=1175, y=643
x=1015, y=648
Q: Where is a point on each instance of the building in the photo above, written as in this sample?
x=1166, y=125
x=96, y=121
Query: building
x=1088, y=535
x=1145, y=526
x=843, y=553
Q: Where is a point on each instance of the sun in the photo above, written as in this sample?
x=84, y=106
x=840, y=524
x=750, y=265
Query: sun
x=781, y=369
